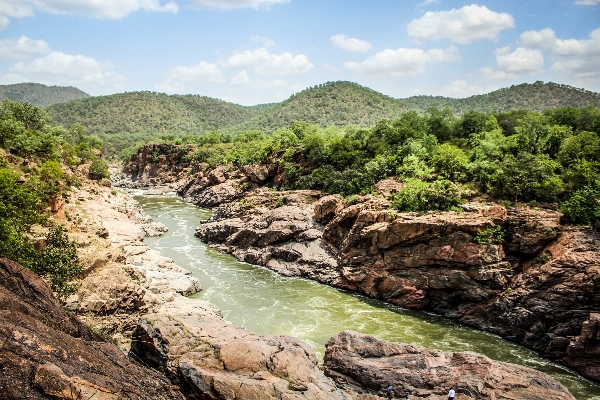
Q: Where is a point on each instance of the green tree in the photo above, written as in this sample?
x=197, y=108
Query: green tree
x=449, y=161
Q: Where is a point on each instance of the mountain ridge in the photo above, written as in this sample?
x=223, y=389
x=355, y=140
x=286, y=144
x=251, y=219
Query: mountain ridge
x=39, y=94
x=339, y=103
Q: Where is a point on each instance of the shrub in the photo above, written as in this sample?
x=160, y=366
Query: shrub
x=98, y=170
x=58, y=263
x=494, y=234
x=583, y=207
x=422, y=196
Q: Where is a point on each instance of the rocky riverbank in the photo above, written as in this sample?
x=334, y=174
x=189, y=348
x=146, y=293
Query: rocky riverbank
x=515, y=272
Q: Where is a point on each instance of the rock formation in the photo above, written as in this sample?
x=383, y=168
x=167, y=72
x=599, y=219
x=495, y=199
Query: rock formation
x=47, y=353
x=518, y=273
x=365, y=365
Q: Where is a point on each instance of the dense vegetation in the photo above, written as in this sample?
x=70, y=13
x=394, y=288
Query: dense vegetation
x=40, y=95
x=442, y=159
x=126, y=121
x=32, y=153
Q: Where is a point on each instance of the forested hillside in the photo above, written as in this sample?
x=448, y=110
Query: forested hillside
x=127, y=120
x=329, y=104
x=440, y=159
x=40, y=95
x=150, y=112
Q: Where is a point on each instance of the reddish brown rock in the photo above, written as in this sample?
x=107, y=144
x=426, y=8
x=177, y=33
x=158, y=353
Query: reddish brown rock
x=367, y=365
x=47, y=353
x=327, y=206
x=388, y=187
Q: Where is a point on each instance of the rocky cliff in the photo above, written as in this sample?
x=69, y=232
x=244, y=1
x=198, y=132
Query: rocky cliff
x=48, y=353
x=364, y=364
x=517, y=272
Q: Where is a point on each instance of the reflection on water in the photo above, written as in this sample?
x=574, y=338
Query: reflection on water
x=267, y=303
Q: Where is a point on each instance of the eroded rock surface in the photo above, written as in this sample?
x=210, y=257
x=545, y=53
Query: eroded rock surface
x=47, y=353
x=366, y=365
x=212, y=359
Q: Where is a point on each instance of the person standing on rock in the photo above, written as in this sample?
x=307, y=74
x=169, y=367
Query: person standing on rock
x=451, y=394
x=390, y=392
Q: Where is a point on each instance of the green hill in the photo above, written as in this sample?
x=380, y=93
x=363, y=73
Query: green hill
x=142, y=116
x=329, y=104
x=151, y=112
x=40, y=95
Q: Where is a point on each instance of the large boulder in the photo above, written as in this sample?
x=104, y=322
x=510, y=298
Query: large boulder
x=365, y=364
x=48, y=353
x=212, y=359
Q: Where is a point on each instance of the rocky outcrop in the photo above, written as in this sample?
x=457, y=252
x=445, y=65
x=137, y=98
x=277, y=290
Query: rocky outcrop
x=212, y=359
x=518, y=273
x=47, y=353
x=366, y=365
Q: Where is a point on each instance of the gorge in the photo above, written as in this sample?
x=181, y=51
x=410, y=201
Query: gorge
x=568, y=336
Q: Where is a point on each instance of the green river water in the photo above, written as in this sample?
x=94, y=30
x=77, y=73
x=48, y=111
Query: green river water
x=267, y=303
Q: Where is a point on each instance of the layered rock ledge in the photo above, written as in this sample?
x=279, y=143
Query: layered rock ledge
x=364, y=365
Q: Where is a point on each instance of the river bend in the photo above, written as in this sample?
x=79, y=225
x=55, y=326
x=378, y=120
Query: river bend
x=265, y=302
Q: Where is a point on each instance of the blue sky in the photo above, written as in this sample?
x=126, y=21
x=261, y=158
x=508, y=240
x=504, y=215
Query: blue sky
x=259, y=51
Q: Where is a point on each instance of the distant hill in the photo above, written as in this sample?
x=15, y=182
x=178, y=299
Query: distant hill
x=151, y=112
x=328, y=104
x=40, y=95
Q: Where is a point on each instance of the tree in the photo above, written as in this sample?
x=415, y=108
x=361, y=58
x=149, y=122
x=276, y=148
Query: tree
x=585, y=145
x=98, y=170
x=449, y=160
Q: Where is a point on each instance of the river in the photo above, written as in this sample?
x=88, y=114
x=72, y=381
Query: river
x=258, y=299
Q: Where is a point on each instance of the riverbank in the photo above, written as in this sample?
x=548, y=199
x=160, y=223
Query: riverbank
x=535, y=286
x=137, y=297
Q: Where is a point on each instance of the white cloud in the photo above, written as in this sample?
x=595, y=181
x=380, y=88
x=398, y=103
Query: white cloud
x=461, y=89
x=65, y=69
x=176, y=76
x=240, y=79
x=465, y=25
x=13, y=9
x=330, y=67
x=350, y=44
x=264, y=63
x=22, y=48
x=267, y=42
x=579, y=59
x=203, y=72
x=427, y=3
x=243, y=79
x=402, y=62
x=520, y=62
x=587, y=2
x=111, y=9
x=231, y=4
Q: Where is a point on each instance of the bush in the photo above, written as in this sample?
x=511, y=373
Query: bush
x=583, y=207
x=494, y=234
x=98, y=170
x=58, y=263
x=422, y=196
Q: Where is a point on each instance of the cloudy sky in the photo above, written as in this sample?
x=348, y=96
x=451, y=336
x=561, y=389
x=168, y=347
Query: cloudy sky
x=260, y=51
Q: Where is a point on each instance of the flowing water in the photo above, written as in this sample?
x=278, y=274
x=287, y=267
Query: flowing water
x=267, y=303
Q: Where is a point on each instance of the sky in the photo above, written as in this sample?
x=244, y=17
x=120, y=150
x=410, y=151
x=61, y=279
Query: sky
x=262, y=51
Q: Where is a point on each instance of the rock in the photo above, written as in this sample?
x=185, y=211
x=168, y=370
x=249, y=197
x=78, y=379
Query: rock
x=256, y=173
x=388, y=187
x=210, y=358
x=365, y=364
x=327, y=206
x=49, y=353
x=102, y=232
